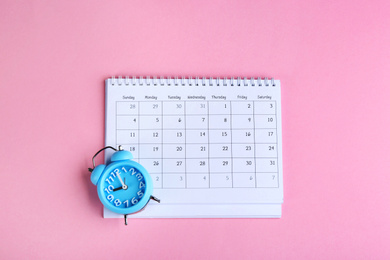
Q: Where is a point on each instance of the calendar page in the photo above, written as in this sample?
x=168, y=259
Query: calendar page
x=212, y=147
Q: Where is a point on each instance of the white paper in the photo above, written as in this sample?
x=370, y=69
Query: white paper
x=212, y=151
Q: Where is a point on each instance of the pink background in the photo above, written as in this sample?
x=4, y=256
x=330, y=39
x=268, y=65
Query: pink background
x=332, y=57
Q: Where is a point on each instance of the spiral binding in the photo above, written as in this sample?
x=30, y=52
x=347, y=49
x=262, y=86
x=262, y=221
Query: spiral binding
x=197, y=81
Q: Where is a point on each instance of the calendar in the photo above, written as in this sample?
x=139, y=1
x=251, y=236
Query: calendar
x=213, y=147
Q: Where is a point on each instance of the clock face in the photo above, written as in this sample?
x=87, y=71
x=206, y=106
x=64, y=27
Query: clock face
x=125, y=187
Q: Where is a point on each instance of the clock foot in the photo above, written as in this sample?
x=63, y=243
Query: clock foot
x=126, y=220
x=155, y=199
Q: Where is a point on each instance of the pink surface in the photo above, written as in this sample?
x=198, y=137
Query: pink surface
x=332, y=57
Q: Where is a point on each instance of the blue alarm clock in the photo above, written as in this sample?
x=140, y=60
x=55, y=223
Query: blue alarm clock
x=124, y=186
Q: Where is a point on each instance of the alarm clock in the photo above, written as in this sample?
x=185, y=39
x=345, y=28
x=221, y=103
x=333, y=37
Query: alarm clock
x=124, y=186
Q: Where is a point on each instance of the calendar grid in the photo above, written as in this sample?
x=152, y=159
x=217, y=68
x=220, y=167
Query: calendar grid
x=254, y=147
x=208, y=142
x=231, y=141
x=155, y=122
x=277, y=151
x=162, y=150
x=138, y=136
x=185, y=141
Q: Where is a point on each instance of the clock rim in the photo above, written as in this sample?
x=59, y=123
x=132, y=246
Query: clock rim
x=141, y=203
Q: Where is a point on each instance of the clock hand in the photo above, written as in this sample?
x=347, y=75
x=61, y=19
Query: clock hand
x=119, y=188
x=124, y=186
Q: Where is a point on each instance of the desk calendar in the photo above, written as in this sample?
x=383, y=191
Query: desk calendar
x=213, y=147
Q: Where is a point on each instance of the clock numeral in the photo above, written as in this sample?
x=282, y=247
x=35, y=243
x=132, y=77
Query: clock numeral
x=124, y=169
x=140, y=193
x=109, y=179
x=110, y=198
x=141, y=185
x=115, y=173
x=134, y=201
x=109, y=188
x=139, y=176
x=132, y=171
x=117, y=202
x=126, y=202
